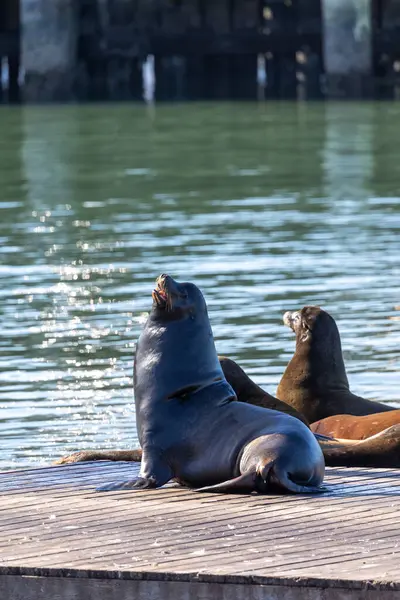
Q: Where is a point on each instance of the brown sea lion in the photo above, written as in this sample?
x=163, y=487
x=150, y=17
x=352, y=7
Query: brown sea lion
x=249, y=392
x=356, y=428
x=315, y=381
x=380, y=451
x=190, y=425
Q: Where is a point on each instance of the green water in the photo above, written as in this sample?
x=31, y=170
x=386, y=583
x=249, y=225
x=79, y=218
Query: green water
x=265, y=207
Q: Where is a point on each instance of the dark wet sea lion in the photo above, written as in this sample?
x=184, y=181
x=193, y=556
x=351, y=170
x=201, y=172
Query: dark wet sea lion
x=191, y=427
x=315, y=381
x=356, y=428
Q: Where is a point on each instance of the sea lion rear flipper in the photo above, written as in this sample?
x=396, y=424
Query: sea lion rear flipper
x=244, y=484
x=280, y=479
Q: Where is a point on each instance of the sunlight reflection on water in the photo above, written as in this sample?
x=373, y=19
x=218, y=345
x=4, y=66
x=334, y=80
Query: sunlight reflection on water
x=265, y=208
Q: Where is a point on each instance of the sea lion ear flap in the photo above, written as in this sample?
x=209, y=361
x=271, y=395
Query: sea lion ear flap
x=305, y=333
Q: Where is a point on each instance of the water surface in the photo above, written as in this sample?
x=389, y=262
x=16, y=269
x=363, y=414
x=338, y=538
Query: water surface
x=266, y=207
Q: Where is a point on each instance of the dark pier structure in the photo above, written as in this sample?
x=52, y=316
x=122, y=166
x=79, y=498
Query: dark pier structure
x=85, y=50
x=203, y=49
x=9, y=50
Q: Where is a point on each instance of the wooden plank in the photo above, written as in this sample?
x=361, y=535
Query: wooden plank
x=209, y=515
x=52, y=521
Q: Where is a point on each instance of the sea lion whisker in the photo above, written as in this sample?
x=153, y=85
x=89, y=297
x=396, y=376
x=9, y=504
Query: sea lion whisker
x=166, y=295
x=169, y=302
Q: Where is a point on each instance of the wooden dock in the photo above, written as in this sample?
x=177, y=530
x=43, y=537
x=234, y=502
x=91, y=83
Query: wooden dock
x=61, y=540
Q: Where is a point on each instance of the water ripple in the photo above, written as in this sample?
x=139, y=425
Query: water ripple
x=265, y=208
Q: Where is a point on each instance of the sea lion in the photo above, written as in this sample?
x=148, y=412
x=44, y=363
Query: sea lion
x=315, y=381
x=191, y=427
x=380, y=451
x=356, y=428
x=248, y=391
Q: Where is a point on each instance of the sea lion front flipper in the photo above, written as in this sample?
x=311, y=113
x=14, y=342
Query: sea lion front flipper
x=154, y=473
x=140, y=483
x=244, y=484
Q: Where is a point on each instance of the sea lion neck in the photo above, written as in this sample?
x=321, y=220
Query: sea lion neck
x=318, y=360
x=161, y=317
x=318, y=355
x=319, y=366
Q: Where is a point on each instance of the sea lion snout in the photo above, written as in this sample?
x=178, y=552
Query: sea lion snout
x=166, y=288
x=163, y=283
x=287, y=317
x=301, y=322
x=291, y=318
x=160, y=292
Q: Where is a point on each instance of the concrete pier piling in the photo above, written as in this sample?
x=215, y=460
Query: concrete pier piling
x=48, y=42
x=347, y=43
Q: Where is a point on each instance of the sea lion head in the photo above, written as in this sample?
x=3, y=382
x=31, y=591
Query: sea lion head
x=173, y=300
x=309, y=322
x=318, y=338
